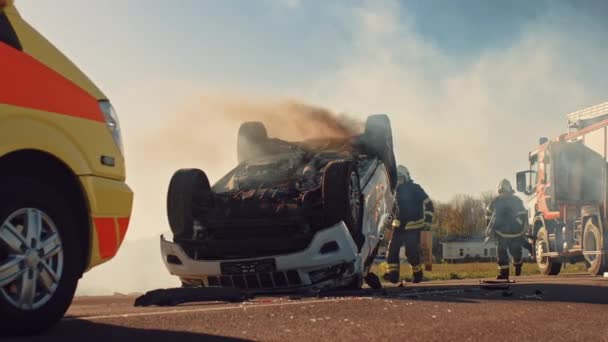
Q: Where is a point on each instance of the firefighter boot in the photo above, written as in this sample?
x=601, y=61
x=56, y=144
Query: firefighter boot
x=504, y=274
x=517, y=268
x=392, y=276
x=417, y=277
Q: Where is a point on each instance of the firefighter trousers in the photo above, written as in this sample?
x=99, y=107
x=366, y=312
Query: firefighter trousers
x=506, y=246
x=411, y=240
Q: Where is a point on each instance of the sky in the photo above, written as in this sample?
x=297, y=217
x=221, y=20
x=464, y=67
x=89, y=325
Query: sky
x=469, y=85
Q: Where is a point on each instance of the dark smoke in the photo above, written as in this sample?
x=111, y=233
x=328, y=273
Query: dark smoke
x=318, y=122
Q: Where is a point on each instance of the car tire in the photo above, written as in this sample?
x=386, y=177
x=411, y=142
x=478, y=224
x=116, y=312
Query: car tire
x=593, y=242
x=188, y=194
x=546, y=265
x=378, y=135
x=251, y=139
x=47, y=252
x=342, y=198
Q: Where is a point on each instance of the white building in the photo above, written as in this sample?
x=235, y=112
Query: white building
x=471, y=249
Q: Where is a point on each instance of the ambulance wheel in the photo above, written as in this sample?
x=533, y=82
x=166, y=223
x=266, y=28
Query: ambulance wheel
x=592, y=243
x=189, y=190
x=546, y=264
x=40, y=258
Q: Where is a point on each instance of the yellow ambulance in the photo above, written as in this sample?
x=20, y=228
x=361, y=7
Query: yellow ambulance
x=64, y=203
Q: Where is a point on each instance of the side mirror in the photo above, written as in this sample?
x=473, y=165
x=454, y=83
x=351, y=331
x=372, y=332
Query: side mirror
x=521, y=181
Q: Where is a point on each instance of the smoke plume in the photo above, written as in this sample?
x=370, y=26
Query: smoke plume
x=459, y=124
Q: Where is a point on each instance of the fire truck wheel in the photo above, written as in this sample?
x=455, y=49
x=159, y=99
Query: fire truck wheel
x=189, y=189
x=546, y=265
x=40, y=256
x=592, y=243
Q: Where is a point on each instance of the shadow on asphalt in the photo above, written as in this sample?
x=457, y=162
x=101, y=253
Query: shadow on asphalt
x=93, y=331
x=472, y=294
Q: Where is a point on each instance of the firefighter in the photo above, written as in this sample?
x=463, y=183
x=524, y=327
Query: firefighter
x=414, y=213
x=507, y=217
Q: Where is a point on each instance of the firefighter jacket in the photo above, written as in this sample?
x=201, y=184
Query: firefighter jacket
x=414, y=207
x=506, y=216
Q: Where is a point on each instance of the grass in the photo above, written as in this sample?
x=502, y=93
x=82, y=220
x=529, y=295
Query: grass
x=469, y=270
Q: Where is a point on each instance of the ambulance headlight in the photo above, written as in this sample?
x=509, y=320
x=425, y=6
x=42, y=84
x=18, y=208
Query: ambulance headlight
x=112, y=122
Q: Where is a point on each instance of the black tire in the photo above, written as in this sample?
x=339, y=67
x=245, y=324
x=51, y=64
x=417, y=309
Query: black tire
x=251, y=139
x=546, y=265
x=593, y=242
x=342, y=198
x=21, y=193
x=189, y=192
x=379, y=139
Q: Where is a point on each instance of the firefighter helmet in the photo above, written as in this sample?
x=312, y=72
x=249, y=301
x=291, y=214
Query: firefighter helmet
x=504, y=186
x=402, y=171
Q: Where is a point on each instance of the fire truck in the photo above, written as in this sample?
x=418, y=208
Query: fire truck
x=566, y=192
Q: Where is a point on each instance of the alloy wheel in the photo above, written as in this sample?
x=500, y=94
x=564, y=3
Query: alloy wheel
x=32, y=264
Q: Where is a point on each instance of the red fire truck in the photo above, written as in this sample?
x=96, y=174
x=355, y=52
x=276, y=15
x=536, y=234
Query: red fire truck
x=567, y=199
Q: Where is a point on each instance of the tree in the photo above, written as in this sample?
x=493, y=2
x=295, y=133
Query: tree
x=463, y=216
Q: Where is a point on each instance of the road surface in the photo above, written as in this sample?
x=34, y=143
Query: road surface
x=562, y=308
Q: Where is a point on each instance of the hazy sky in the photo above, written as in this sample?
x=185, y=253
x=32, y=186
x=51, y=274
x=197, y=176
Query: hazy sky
x=470, y=85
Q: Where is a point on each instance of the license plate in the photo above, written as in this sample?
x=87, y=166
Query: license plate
x=248, y=267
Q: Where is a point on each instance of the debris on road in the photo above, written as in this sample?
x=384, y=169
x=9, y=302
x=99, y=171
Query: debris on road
x=176, y=296
x=495, y=284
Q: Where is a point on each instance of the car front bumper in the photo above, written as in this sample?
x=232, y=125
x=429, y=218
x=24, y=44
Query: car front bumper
x=331, y=260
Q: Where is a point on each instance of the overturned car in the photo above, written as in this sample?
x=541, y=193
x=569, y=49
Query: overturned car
x=290, y=216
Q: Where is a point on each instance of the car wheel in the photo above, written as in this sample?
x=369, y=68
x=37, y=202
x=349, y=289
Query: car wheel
x=189, y=191
x=250, y=140
x=379, y=137
x=342, y=197
x=40, y=258
x=592, y=249
x=546, y=265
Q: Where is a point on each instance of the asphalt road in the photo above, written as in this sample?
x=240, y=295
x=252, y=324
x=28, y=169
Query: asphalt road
x=563, y=308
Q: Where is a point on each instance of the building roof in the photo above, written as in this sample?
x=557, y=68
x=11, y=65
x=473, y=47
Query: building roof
x=461, y=239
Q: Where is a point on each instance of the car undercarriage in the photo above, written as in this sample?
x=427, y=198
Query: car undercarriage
x=289, y=215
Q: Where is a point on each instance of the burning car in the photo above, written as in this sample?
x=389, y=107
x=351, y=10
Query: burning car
x=290, y=216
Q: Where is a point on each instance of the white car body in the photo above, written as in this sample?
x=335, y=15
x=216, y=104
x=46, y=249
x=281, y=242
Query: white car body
x=308, y=269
